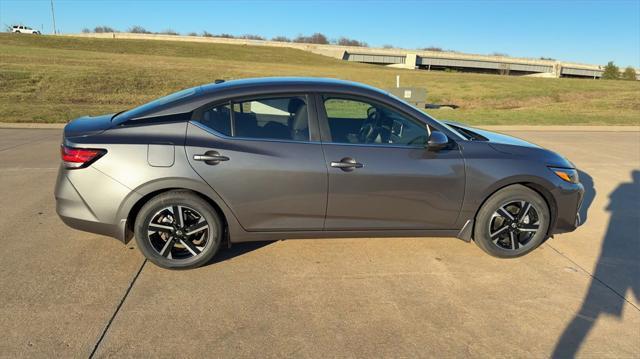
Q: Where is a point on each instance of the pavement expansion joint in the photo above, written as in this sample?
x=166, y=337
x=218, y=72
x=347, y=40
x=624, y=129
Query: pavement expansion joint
x=593, y=277
x=115, y=313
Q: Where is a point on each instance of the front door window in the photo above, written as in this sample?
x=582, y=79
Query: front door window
x=362, y=122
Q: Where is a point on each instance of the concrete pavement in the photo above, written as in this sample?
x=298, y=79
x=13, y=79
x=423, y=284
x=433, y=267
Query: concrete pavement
x=67, y=293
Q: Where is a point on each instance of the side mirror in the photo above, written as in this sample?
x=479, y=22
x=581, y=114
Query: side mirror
x=437, y=141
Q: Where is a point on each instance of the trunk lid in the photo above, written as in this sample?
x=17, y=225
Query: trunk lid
x=88, y=126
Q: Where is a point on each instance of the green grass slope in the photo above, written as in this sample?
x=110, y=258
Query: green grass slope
x=55, y=79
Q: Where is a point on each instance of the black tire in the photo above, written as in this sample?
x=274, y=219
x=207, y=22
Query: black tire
x=181, y=251
x=508, y=235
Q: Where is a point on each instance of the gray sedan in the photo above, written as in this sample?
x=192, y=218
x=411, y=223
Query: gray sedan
x=275, y=158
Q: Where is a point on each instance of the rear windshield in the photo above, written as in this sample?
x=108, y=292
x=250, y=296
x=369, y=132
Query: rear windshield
x=147, y=107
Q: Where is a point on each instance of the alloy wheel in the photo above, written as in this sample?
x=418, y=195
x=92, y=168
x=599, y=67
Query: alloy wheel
x=178, y=232
x=513, y=225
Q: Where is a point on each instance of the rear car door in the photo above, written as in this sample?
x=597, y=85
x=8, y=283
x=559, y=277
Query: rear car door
x=263, y=157
x=381, y=176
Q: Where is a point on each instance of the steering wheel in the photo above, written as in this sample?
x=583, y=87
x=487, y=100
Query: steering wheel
x=368, y=131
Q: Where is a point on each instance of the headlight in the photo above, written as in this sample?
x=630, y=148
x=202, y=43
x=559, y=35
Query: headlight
x=567, y=174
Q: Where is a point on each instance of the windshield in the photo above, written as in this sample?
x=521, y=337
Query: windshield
x=135, y=112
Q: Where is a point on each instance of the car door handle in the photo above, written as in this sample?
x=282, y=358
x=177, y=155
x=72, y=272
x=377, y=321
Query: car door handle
x=210, y=158
x=347, y=164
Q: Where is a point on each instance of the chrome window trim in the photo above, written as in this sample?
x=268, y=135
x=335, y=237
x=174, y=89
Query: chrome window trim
x=382, y=145
x=218, y=134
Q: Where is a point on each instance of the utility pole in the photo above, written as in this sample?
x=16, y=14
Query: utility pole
x=53, y=15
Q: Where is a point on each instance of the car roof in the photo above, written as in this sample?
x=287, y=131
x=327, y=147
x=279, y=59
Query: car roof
x=220, y=91
x=289, y=83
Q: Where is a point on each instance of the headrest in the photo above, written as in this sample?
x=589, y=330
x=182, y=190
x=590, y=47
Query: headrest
x=295, y=104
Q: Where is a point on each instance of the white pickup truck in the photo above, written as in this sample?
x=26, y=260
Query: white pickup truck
x=20, y=29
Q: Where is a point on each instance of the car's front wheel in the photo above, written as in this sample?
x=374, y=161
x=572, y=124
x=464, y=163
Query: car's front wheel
x=178, y=230
x=512, y=222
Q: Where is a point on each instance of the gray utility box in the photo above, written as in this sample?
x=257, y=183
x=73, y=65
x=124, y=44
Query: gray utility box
x=416, y=96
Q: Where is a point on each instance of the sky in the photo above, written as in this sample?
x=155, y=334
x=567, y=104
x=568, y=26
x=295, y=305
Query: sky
x=592, y=32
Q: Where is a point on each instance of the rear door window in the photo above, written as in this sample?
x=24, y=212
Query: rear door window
x=273, y=118
x=218, y=119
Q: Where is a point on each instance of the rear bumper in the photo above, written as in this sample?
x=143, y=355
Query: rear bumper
x=568, y=198
x=88, y=213
x=117, y=231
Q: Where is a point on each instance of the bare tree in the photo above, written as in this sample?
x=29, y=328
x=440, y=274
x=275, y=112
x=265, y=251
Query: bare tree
x=252, y=37
x=345, y=41
x=101, y=29
x=281, y=39
x=138, y=30
x=316, y=38
x=168, y=32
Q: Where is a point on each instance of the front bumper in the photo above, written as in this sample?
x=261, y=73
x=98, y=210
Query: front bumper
x=568, y=198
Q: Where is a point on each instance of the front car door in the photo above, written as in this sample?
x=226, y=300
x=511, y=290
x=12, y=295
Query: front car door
x=380, y=174
x=263, y=157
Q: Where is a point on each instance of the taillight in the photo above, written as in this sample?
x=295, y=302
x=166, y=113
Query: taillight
x=80, y=157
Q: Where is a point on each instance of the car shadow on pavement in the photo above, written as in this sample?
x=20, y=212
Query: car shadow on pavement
x=617, y=269
x=237, y=249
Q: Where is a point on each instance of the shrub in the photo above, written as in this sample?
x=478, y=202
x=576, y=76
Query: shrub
x=192, y=34
x=629, y=74
x=206, y=34
x=387, y=46
x=611, y=72
x=432, y=48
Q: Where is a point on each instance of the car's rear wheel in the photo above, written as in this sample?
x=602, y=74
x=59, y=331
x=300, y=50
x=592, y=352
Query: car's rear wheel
x=178, y=230
x=512, y=222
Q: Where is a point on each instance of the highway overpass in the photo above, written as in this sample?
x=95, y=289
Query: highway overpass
x=403, y=58
x=437, y=60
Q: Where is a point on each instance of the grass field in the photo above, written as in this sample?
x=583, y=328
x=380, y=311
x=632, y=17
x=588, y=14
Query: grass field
x=55, y=79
